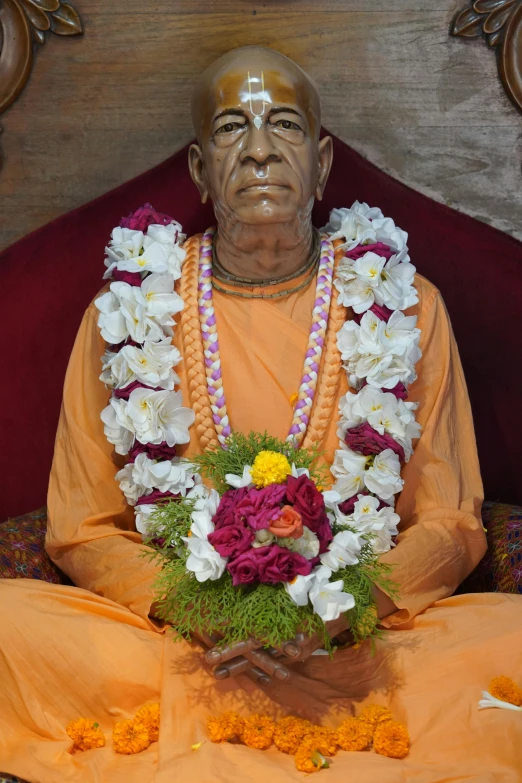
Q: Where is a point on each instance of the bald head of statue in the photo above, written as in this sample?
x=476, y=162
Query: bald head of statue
x=257, y=117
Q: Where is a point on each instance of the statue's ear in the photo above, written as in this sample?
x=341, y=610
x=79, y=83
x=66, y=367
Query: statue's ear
x=197, y=171
x=325, y=149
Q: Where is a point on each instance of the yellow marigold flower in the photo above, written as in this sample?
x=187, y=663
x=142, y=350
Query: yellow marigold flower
x=391, y=739
x=325, y=739
x=130, y=736
x=505, y=689
x=227, y=727
x=353, y=734
x=270, y=468
x=309, y=757
x=150, y=716
x=374, y=714
x=85, y=734
x=367, y=623
x=289, y=733
x=258, y=732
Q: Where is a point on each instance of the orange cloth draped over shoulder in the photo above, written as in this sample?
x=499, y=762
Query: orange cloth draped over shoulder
x=93, y=650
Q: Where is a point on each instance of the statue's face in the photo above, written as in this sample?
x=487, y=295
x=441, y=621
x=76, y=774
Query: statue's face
x=259, y=144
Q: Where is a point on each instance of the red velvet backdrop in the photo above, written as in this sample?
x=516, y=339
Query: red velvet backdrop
x=49, y=277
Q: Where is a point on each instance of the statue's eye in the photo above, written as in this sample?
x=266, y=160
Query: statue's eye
x=287, y=125
x=229, y=127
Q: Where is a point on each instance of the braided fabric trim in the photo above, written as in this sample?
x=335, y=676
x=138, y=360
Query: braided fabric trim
x=323, y=408
x=209, y=335
x=303, y=406
x=193, y=348
x=314, y=350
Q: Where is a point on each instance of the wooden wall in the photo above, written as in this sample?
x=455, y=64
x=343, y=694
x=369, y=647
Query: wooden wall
x=100, y=109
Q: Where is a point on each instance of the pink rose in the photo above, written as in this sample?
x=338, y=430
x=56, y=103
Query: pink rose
x=143, y=218
x=231, y=540
x=260, y=506
x=365, y=440
x=281, y=565
x=124, y=393
x=399, y=390
x=132, y=278
x=225, y=514
x=244, y=569
x=377, y=247
x=288, y=523
x=160, y=451
x=307, y=500
x=381, y=311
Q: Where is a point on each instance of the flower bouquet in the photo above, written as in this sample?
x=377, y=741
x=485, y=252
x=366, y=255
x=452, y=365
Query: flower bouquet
x=266, y=554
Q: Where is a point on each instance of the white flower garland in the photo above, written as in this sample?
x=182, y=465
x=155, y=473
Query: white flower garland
x=379, y=350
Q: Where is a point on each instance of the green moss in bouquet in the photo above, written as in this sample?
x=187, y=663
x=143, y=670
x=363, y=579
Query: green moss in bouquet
x=242, y=450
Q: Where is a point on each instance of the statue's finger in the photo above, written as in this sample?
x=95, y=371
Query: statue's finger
x=259, y=676
x=219, y=655
x=231, y=668
x=271, y=666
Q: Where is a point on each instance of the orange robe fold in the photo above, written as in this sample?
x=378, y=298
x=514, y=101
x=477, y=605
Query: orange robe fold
x=68, y=652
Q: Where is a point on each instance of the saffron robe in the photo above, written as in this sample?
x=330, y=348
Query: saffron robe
x=93, y=650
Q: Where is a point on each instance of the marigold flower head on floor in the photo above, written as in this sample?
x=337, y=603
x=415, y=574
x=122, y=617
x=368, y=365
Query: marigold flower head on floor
x=289, y=733
x=258, y=732
x=391, y=739
x=326, y=739
x=505, y=689
x=374, y=714
x=85, y=734
x=150, y=716
x=225, y=728
x=130, y=736
x=309, y=757
x=353, y=734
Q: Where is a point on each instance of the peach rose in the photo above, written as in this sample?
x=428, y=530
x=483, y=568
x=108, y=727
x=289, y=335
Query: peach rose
x=288, y=524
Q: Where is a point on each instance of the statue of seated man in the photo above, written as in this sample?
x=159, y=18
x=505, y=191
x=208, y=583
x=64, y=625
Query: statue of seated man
x=98, y=650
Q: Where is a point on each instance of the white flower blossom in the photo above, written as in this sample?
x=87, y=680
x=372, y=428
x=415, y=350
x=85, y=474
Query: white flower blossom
x=487, y=701
x=306, y=545
x=158, y=416
x=299, y=588
x=349, y=469
x=128, y=485
x=159, y=252
x=240, y=481
x=204, y=561
x=342, y=551
x=263, y=538
x=142, y=517
x=158, y=296
x=118, y=427
x=383, y=478
x=151, y=364
x=125, y=243
x=328, y=598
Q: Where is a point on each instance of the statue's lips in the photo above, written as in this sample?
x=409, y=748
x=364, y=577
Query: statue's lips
x=260, y=186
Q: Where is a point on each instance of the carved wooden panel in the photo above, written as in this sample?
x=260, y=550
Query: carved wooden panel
x=500, y=23
x=25, y=24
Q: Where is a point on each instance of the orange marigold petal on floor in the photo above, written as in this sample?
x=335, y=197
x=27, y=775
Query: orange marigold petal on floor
x=353, y=734
x=85, y=734
x=130, y=736
x=506, y=689
x=391, y=739
x=150, y=716
x=258, y=732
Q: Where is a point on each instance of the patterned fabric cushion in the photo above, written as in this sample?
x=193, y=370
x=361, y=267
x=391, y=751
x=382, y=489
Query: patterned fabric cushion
x=22, y=551
x=500, y=570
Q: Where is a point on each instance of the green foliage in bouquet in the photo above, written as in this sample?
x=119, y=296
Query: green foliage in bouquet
x=242, y=450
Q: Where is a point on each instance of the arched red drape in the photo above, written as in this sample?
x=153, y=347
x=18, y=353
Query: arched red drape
x=49, y=277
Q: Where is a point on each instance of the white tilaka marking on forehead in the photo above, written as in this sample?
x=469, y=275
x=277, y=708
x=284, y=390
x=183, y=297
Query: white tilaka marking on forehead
x=258, y=118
